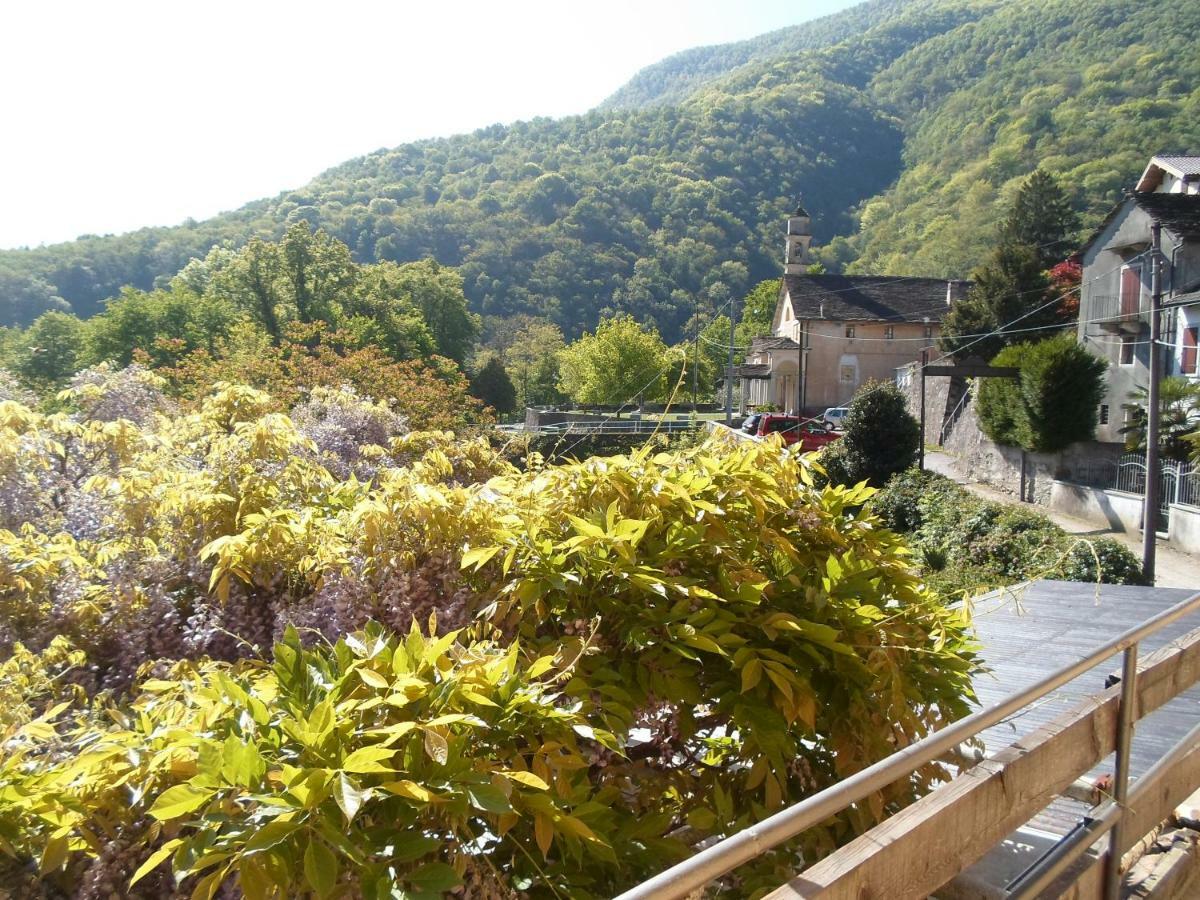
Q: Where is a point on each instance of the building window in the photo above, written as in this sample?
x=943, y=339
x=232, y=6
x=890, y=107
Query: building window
x=1187, y=360
x=1127, y=345
x=849, y=331
x=889, y=332
x=1131, y=290
x=928, y=331
x=847, y=373
x=1103, y=413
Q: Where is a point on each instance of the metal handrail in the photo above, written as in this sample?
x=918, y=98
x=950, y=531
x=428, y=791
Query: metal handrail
x=711, y=863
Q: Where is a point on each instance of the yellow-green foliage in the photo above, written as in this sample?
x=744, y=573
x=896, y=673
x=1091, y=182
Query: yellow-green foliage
x=381, y=765
x=723, y=637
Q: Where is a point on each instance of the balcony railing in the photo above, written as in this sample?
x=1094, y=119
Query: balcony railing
x=1114, y=312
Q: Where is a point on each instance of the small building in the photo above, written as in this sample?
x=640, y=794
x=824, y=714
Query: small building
x=1114, y=304
x=832, y=333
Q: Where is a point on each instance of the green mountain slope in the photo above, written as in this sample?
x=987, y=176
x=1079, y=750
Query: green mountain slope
x=681, y=74
x=902, y=123
x=1086, y=90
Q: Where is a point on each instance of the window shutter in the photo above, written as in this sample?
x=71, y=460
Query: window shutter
x=1131, y=290
x=1187, y=365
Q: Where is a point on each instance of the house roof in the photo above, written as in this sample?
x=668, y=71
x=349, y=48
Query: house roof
x=870, y=298
x=1179, y=166
x=1178, y=212
x=772, y=342
x=752, y=370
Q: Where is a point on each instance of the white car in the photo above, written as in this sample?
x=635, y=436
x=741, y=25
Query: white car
x=835, y=416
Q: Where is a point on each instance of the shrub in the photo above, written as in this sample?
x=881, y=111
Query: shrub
x=380, y=765
x=969, y=545
x=881, y=437
x=745, y=638
x=1053, y=403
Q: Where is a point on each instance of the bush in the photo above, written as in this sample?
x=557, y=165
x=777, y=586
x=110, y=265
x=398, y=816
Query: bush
x=881, y=438
x=1055, y=401
x=969, y=545
x=721, y=637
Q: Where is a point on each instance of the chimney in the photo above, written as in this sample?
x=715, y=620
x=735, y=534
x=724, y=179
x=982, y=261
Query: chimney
x=955, y=291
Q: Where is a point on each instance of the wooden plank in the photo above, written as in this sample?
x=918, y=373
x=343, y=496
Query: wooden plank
x=919, y=849
x=970, y=370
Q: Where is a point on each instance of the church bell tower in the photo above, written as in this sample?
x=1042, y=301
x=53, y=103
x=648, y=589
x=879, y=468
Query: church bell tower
x=799, y=237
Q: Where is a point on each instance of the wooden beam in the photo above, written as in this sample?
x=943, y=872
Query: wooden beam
x=1148, y=813
x=919, y=849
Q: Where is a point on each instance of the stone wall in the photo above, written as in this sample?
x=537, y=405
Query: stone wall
x=1000, y=467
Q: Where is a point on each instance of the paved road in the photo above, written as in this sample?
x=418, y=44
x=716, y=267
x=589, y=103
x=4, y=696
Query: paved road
x=1172, y=567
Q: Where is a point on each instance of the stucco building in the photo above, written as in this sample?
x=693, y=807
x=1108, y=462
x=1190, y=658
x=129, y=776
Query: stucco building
x=832, y=333
x=1114, y=303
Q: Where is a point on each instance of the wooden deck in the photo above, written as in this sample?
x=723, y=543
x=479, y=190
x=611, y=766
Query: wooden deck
x=1034, y=630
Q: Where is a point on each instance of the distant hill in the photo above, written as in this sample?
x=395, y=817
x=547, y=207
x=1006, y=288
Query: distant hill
x=904, y=124
x=682, y=73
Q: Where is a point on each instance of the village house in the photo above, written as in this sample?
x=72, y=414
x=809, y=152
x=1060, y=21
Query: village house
x=832, y=333
x=1114, y=321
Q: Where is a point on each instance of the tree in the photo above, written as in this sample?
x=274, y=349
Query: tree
x=621, y=363
x=1042, y=218
x=881, y=437
x=317, y=271
x=758, y=312
x=1053, y=403
x=438, y=293
x=1010, y=292
x=47, y=353
x=1179, y=402
x=1013, y=290
x=531, y=357
x=491, y=384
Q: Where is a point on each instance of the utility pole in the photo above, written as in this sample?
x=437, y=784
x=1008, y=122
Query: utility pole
x=695, y=350
x=729, y=371
x=1150, y=510
x=921, y=450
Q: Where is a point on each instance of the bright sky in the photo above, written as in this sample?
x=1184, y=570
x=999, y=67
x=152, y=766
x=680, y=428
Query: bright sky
x=127, y=113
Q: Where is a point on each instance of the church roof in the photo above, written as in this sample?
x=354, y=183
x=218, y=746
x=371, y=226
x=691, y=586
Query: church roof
x=867, y=298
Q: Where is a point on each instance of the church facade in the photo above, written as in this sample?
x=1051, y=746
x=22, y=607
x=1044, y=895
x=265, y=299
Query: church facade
x=832, y=333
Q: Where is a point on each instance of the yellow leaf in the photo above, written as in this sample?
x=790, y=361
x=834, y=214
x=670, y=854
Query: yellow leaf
x=543, y=833
x=526, y=778
x=409, y=789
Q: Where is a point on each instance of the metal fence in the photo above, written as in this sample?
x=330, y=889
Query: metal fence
x=1178, y=482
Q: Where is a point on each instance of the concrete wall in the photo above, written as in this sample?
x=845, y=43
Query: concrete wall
x=1185, y=528
x=1104, y=508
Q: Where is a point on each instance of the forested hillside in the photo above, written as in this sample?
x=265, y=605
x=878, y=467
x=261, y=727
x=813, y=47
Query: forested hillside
x=919, y=118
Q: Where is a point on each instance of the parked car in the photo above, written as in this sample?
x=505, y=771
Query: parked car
x=835, y=416
x=810, y=433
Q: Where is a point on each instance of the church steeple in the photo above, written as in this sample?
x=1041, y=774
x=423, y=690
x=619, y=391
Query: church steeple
x=799, y=239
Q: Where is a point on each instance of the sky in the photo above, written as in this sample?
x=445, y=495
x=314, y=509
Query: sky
x=123, y=114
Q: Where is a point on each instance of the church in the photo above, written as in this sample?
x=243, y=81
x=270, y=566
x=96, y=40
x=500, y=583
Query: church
x=832, y=333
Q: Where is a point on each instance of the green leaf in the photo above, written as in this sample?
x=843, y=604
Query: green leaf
x=154, y=859
x=413, y=845
x=269, y=835
x=320, y=868
x=179, y=801
x=349, y=795
x=489, y=798
x=434, y=877
x=368, y=759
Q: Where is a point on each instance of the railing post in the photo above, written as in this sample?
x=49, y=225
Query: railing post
x=1126, y=716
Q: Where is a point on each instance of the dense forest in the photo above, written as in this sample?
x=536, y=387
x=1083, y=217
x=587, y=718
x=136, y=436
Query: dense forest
x=906, y=126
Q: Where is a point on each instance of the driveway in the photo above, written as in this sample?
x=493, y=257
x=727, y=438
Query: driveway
x=1172, y=568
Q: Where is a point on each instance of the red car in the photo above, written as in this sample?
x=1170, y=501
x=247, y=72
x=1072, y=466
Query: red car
x=810, y=433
